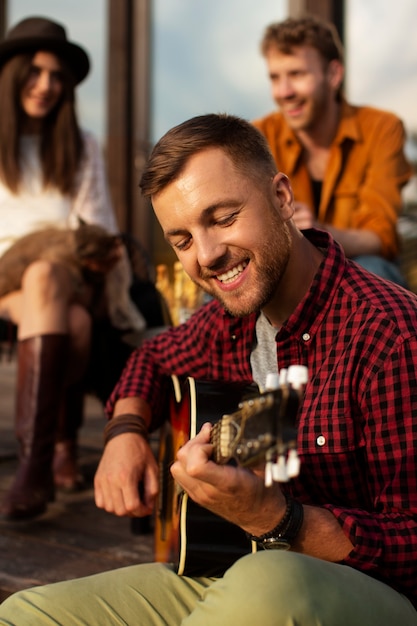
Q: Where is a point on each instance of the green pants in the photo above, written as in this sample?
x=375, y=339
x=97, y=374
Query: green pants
x=267, y=588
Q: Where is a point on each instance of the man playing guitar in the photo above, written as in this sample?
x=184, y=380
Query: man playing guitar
x=343, y=532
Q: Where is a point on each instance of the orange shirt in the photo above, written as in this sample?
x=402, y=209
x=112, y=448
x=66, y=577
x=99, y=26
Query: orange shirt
x=366, y=171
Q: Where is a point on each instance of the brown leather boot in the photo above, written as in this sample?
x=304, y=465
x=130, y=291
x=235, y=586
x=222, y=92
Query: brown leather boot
x=67, y=476
x=42, y=362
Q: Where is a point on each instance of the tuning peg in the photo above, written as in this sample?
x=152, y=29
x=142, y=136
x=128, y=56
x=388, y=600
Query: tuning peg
x=283, y=377
x=293, y=464
x=272, y=381
x=268, y=474
x=279, y=470
x=297, y=376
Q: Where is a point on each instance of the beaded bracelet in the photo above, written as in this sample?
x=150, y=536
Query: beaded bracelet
x=126, y=423
x=286, y=530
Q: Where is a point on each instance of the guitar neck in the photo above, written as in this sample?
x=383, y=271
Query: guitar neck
x=262, y=428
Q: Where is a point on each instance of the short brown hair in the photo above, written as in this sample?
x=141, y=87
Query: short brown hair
x=304, y=31
x=243, y=143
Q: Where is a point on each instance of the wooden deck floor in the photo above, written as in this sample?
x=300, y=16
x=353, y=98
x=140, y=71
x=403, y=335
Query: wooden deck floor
x=73, y=538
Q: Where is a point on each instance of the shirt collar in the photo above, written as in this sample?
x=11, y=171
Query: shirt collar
x=348, y=129
x=313, y=308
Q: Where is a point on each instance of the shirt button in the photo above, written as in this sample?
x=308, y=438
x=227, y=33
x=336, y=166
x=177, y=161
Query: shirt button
x=321, y=440
x=306, y=336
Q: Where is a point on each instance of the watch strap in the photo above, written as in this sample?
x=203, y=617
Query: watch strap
x=284, y=534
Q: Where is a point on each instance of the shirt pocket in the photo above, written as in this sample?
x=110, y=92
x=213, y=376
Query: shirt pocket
x=332, y=455
x=334, y=434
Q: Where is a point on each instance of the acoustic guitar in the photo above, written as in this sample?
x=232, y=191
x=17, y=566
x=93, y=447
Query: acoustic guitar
x=250, y=427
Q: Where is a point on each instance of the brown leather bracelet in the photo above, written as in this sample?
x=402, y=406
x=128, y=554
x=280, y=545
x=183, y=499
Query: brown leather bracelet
x=125, y=423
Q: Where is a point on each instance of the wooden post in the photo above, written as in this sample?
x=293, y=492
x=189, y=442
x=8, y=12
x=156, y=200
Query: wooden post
x=128, y=96
x=330, y=10
x=142, y=217
x=3, y=18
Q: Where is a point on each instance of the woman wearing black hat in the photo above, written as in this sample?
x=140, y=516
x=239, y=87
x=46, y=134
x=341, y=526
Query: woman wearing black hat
x=51, y=173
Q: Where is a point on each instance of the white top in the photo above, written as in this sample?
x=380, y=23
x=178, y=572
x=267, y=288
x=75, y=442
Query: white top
x=34, y=207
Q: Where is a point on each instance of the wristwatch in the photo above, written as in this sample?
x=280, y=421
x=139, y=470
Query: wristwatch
x=283, y=535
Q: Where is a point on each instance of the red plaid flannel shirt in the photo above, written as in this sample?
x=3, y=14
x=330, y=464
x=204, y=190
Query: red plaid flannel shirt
x=357, y=432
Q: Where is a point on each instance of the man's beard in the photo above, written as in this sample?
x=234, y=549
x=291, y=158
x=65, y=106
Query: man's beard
x=269, y=274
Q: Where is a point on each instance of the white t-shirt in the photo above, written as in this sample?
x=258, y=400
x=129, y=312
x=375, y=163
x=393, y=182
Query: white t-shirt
x=263, y=358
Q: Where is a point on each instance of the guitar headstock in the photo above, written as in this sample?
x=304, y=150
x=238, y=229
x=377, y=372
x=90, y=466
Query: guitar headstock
x=264, y=427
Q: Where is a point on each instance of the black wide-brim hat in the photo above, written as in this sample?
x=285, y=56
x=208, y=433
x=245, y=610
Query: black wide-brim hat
x=39, y=33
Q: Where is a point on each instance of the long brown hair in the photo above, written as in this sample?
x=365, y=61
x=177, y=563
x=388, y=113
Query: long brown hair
x=61, y=142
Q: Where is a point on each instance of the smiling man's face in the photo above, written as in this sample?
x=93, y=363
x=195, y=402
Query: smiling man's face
x=301, y=85
x=228, y=230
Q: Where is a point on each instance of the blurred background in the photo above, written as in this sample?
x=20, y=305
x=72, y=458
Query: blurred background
x=156, y=63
